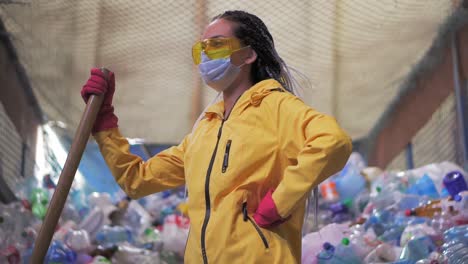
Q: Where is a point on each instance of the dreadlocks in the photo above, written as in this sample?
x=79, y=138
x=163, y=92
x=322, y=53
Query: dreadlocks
x=253, y=32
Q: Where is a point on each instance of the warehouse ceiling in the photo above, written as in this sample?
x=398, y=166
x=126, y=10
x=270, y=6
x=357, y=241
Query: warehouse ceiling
x=354, y=53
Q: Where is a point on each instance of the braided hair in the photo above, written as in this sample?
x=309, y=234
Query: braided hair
x=251, y=31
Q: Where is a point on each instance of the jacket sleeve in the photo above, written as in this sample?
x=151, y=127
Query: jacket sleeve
x=136, y=177
x=316, y=144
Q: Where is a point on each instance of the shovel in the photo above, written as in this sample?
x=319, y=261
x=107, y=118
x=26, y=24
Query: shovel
x=64, y=184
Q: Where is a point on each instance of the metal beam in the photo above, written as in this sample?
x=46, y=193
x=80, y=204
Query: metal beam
x=461, y=99
x=409, y=157
x=197, y=99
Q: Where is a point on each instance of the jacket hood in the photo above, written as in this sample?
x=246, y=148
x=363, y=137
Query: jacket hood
x=251, y=97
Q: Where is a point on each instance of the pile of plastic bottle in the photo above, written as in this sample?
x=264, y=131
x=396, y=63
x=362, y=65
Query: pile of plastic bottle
x=370, y=216
x=95, y=229
x=365, y=215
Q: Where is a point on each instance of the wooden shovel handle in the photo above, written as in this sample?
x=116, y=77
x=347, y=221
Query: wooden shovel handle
x=64, y=184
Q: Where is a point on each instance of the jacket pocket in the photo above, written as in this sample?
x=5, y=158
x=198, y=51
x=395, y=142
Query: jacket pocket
x=259, y=231
x=226, y=156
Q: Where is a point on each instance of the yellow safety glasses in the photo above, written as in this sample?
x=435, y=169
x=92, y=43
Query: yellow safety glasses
x=215, y=48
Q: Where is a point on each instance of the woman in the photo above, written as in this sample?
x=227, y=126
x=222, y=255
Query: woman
x=249, y=164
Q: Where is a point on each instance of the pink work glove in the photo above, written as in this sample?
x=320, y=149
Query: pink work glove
x=267, y=215
x=98, y=85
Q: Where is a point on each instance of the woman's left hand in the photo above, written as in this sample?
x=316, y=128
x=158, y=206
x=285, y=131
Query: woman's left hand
x=266, y=214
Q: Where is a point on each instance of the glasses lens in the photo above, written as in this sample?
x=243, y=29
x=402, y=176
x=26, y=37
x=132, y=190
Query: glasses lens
x=215, y=48
x=196, y=52
x=218, y=48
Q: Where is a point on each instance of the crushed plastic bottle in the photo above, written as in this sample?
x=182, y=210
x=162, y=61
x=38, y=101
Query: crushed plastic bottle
x=151, y=239
x=78, y=240
x=349, y=183
x=110, y=236
x=312, y=243
x=344, y=253
x=94, y=221
x=100, y=260
x=137, y=218
x=455, y=248
x=340, y=211
x=39, y=199
x=434, y=258
x=424, y=186
x=364, y=241
x=175, y=233
x=413, y=232
x=417, y=249
x=383, y=253
x=130, y=254
x=59, y=253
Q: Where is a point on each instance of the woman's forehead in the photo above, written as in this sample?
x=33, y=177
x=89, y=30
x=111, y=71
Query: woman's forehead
x=218, y=28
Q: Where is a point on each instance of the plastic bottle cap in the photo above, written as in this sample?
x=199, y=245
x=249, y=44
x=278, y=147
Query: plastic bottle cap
x=408, y=212
x=345, y=241
x=378, y=189
x=348, y=202
x=166, y=194
x=327, y=246
x=457, y=198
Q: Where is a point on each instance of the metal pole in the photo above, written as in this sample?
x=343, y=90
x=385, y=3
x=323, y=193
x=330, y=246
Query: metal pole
x=461, y=99
x=409, y=157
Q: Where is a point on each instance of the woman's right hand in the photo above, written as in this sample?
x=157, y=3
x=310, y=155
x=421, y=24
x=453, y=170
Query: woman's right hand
x=98, y=85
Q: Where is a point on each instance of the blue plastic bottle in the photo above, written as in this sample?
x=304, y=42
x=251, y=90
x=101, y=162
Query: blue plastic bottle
x=350, y=183
x=59, y=253
x=455, y=248
x=457, y=232
x=424, y=186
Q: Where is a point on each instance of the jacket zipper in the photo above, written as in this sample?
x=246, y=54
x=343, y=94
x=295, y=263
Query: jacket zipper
x=186, y=242
x=226, y=156
x=259, y=231
x=207, y=196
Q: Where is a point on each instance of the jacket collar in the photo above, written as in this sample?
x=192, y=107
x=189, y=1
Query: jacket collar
x=251, y=97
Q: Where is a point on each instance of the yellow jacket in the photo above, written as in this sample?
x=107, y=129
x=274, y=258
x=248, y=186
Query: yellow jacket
x=270, y=140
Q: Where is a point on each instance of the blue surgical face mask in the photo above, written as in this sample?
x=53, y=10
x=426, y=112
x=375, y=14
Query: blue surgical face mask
x=219, y=73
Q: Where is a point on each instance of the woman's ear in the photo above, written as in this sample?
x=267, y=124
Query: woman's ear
x=251, y=56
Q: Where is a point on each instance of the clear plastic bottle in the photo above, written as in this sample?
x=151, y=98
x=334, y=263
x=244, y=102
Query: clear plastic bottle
x=7, y=226
x=457, y=253
x=413, y=232
x=362, y=241
x=392, y=235
x=344, y=253
x=424, y=186
x=455, y=248
x=312, y=243
x=350, y=183
x=137, y=218
x=130, y=254
x=434, y=258
x=417, y=249
x=78, y=240
x=383, y=253
x=111, y=236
